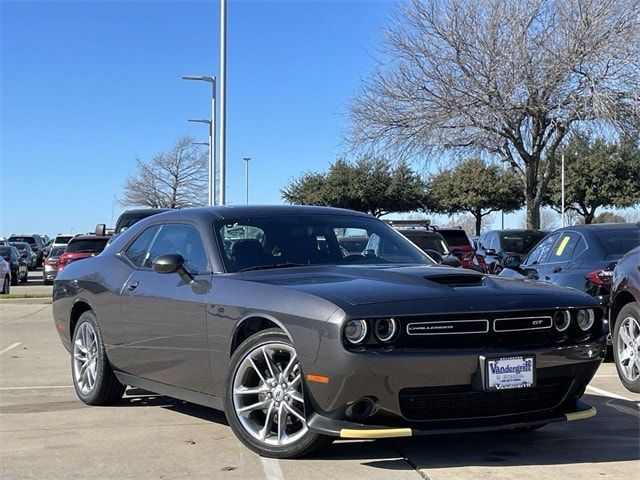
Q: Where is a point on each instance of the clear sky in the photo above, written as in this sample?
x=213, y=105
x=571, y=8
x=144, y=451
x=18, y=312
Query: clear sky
x=89, y=86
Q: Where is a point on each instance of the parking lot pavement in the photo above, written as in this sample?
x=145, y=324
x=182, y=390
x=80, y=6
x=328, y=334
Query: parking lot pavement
x=46, y=433
x=34, y=285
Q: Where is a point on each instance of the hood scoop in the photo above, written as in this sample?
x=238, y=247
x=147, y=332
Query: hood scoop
x=456, y=280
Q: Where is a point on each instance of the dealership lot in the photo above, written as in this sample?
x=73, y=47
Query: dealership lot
x=47, y=433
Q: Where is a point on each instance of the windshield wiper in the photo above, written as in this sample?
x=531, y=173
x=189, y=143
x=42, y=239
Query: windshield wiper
x=272, y=265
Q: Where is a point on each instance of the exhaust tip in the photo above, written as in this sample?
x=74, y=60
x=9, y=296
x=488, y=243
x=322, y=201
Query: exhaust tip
x=362, y=409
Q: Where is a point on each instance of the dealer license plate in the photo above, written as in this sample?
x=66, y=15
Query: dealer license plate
x=510, y=372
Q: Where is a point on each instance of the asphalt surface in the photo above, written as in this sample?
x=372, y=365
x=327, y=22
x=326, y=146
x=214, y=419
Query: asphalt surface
x=47, y=433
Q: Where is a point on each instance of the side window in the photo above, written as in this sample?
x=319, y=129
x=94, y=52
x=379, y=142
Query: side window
x=581, y=246
x=541, y=252
x=562, y=250
x=493, y=242
x=184, y=240
x=138, y=251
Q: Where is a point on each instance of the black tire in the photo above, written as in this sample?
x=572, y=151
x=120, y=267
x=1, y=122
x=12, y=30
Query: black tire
x=106, y=389
x=48, y=282
x=6, y=285
x=305, y=445
x=15, y=279
x=25, y=279
x=630, y=310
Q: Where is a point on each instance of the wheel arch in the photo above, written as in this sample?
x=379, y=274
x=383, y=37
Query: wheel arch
x=621, y=299
x=79, y=307
x=252, y=324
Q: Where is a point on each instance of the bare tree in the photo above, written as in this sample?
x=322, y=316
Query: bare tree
x=174, y=179
x=505, y=77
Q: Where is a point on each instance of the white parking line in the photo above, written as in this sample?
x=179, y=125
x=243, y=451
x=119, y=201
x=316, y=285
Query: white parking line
x=609, y=394
x=272, y=470
x=10, y=347
x=39, y=387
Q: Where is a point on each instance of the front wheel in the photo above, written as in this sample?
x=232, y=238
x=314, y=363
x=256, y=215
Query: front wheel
x=6, y=285
x=264, y=402
x=93, y=378
x=626, y=346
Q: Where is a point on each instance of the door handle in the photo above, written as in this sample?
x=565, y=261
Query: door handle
x=133, y=286
x=547, y=277
x=557, y=269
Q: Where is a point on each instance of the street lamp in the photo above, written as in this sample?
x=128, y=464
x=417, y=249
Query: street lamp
x=212, y=133
x=246, y=179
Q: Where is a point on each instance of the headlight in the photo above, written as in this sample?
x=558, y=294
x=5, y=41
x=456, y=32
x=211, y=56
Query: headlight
x=355, y=331
x=385, y=329
x=585, y=319
x=561, y=320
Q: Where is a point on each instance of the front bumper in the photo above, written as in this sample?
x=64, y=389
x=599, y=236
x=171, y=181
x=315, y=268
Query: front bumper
x=450, y=381
x=344, y=429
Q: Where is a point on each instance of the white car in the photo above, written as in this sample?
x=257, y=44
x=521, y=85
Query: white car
x=5, y=276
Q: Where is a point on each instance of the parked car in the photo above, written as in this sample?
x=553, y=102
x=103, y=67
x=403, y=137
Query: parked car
x=80, y=247
x=129, y=218
x=353, y=244
x=17, y=264
x=51, y=264
x=30, y=257
x=581, y=256
x=459, y=244
x=430, y=242
x=497, y=247
x=62, y=239
x=5, y=276
x=624, y=319
x=36, y=242
x=310, y=344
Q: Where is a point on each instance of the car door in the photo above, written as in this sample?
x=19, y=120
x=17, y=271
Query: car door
x=164, y=316
x=535, y=266
x=562, y=260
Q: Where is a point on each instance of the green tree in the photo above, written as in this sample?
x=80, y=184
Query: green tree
x=475, y=187
x=597, y=174
x=367, y=185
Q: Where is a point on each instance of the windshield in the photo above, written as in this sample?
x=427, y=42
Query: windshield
x=93, y=246
x=520, y=242
x=618, y=241
x=63, y=239
x=5, y=252
x=29, y=240
x=56, y=251
x=427, y=241
x=455, y=238
x=278, y=241
x=20, y=246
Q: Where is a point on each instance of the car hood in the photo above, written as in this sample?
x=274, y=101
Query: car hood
x=366, y=285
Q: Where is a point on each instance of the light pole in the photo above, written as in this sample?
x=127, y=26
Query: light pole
x=223, y=101
x=562, y=188
x=212, y=132
x=246, y=179
x=212, y=195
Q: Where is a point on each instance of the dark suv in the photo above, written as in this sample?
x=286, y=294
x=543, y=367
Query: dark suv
x=35, y=241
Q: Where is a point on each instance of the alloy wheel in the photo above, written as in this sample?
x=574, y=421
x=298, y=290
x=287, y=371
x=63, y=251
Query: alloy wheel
x=85, y=357
x=628, y=346
x=267, y=395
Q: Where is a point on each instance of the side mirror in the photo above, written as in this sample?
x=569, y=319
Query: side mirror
x=101, y=229
x=512, y=262
x=434, y=255
x=172, y=263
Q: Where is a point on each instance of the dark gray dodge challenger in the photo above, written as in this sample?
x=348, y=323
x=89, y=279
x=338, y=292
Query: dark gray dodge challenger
x=261, y=312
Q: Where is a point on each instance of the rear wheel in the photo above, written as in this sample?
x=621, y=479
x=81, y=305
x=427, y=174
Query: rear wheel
x=93, y=378
x=6, y=285
x=264, y=402
x=626, y=346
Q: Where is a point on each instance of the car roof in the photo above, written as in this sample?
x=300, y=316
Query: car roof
x=90, y=237
x=232, y=212
x=600, y=226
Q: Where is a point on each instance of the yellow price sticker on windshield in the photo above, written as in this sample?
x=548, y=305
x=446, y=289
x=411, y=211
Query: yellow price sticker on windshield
x=562, y=246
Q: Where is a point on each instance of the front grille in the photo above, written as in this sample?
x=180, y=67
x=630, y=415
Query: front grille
x=439, y=403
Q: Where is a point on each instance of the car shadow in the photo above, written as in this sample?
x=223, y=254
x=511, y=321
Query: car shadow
x=138, y=397
x=612, y=436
